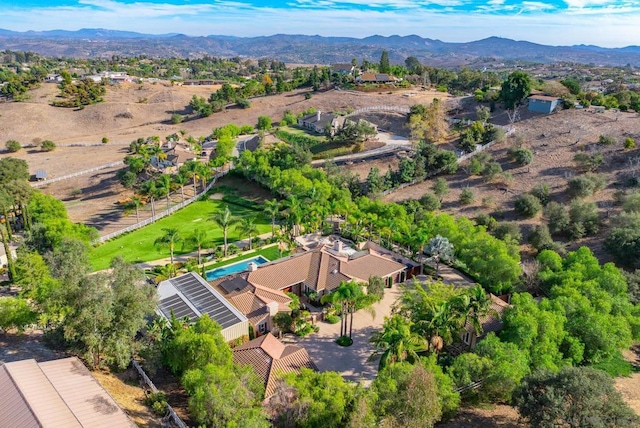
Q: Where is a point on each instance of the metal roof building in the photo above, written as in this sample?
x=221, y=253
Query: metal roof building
x=190, y=295
x=58, y=393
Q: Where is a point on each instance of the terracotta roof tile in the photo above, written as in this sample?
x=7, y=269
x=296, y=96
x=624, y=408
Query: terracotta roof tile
x=271, y=359
x=282, y=273
x=370, y=265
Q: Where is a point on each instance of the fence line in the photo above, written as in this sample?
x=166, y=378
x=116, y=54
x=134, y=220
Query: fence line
x=162, y=214
x=459, y=160
x=397, y=109
x=76, y=174
x=91, y=144
x=172, y=414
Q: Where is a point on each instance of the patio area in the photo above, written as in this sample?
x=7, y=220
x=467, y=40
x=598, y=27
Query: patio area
x=351, y=361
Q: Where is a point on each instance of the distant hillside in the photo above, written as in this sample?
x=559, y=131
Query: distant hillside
x=306, y=49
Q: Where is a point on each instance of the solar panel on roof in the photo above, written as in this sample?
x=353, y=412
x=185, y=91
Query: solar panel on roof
x=234, y=284
x=178, y=306
x=204, y=300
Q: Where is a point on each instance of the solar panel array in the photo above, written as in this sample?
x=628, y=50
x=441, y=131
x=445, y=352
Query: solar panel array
x=179, y=308
x=205, y=300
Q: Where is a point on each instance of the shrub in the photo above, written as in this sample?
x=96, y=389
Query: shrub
x=47, y=146
x=504, y=229
x=105, y=140
x=475, y=167
x=344, y=341
x=307, y=96
x=557, y=217
x=176, y=118
x=467, y=197
x=430, y=202
x=13, y=146
x=528, y=205
x=243, y=103
x=540, y=239
x=629, y=143
x=487, y=221
x=233, y=249
x=586, y=185
x=585, y=219
x=542, y=192
x=520, y=155
x=606, y=140
x=246, y=129
x=586, y=162
x=492, y=170
x=264, y=123
x=332, y=319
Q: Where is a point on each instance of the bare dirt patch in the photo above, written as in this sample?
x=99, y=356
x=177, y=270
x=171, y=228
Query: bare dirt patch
x=629, y=387
x=494, y=417
x=126, y=391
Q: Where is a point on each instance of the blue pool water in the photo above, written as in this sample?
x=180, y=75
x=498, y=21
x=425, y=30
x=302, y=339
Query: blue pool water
x=234, y=268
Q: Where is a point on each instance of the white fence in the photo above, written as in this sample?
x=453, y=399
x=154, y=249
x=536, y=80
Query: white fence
x=76, y=174
x=163, y=213
x=395, y=109
x=172, y=414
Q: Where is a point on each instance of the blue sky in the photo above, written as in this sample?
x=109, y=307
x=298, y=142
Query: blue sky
x=610, y=23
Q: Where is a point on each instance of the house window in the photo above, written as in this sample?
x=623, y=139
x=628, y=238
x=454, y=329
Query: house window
x=466, y=338
x=262, y=328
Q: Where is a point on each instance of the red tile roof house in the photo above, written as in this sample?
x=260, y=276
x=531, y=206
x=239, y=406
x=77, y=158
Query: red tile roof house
x=58, y=393
x=259, y=293
x=271, y=359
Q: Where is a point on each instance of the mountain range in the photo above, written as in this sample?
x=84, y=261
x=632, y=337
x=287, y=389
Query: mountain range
x=306, y=49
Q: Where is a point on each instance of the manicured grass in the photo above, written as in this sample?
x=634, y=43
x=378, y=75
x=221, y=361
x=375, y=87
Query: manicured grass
x=138, y=247
x=270, y=253
x=296, y=130
x=330, y=150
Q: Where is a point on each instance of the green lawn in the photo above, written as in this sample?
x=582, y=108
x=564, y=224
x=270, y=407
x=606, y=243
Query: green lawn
x=138, y=247
x=296, y=130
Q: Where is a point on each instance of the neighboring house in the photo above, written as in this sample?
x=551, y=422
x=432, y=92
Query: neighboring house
x=271, y=359
x=379, y=78
x=342, y=68
x=58, y=393
x=191, y=296
x=322, y=269
x=318, y=122
x=491, y=323
x=53, y=78
x=543, y=103
x=259, y=304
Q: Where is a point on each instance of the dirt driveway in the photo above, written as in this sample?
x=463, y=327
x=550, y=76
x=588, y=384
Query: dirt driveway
x=352, y=361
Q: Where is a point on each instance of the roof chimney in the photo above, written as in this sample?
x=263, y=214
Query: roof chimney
x=252, y=266
x=337, y=246
x=318, y=115
x=273, y=308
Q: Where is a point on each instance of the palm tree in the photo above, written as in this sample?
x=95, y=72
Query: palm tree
x=134, y=204
x=149, y=190
x=204, y=173
x=272, y=209
x=190, y=170
x=294, y=211
x=224, y=219
x=164, y=182
x=180, y=180
x=247, y=226
x=199, y=238
x=440, y=249
x=7, y=250
x=443, y=327
x=475, y=303
x=396, y=342
x=170, y=238
x=346, y=296
x=167, y=271
x=418, y=240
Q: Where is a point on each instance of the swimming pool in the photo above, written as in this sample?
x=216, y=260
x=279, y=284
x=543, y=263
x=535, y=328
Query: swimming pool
x=234, y=268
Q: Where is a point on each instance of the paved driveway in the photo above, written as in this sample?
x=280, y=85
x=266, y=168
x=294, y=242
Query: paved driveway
x=350, y=361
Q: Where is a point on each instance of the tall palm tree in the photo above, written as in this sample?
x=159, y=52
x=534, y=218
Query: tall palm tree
x=7, y=250
x=164, y=182
x=477, y=305
x=149, y=190
x=190, y=170
x=444, y=326
x=204, y=173
x=134, y=205
x=224, y=219
x=247, y=226
x=272, y=209
x=199, y=238
x=346, y=296
x=294, y=213
x=170, y=238
x=396, y=342
x=167, y=271
x=180, y=180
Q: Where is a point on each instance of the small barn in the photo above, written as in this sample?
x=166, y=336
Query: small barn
x=543, y=104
